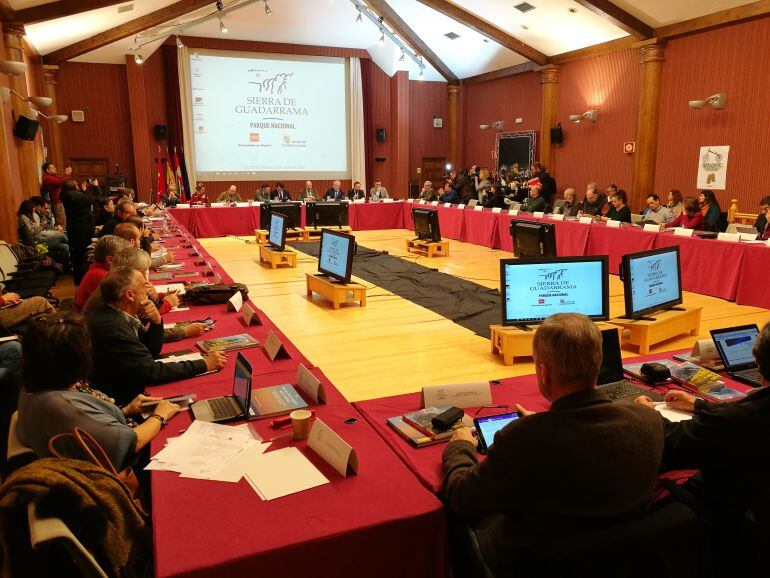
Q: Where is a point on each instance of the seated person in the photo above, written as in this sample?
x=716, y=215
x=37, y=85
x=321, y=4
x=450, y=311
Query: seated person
x=57, y=398
x=691, y=217
x=710, y=209
x=104, y=251
x=44, y=218
x=280, y=194
x=263, y=194
x=127, y=336
x=675, y=202
x=335, y=192
x=619, y=211
x=593, y=205
x=428, y=193
x=33, y=232
x=14, y=310
x=171, y=197
x=104, y=210
x=495, y=197
x=123, y=211
x=230, y=196
x=356, y=193
x=570, y=207
x=657, y=213
x=534, y=203
x=761, y=223
x=448, y=194
x=378, y=192
x=308, y=193
x=128, y=231
x=547, y=473
x=199, y=196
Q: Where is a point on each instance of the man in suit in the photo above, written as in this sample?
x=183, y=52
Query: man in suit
x=171, y=197
x=428, y=193
x=534, y=203
x=585, y=463
x=761, y=224
x=356, y=193
x=378, y=192
x=262, y=195
x=335, y=192
x=594, y=204
x=127, y=336
x=280, y=194
x=230, y=196
x=308, y=193
x=124, y=210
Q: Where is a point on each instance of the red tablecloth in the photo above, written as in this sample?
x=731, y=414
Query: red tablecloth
x=571, y=238
x=381, y=522
x=709, y=267
x=752, y=281
x=451, y=222
x=480, y=227
x=605, y=240
x=373, y=216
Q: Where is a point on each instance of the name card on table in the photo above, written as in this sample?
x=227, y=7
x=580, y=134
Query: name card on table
x=730, y=237
x=235, y=302
x=332, y=448
x=408, y=200
x=422, y=202
x=218, y=204
x=457, y=394
x=478, y=208
x=242, y=204
x=460, y=206
x=447, y=205
x=434, y=203
x=767, y=243
x=538, y=214
x=250, y=316
x=513, y=211
x=310, y=384
x=557, y=216
x=497, y=210
x=705, y=350
x=585, y=220
x=613, y=224
x=274, y=348
x=748, y=236
x=183, y=205
x=387, y=200
x=359, y=201
x=682, y=232
x=650, y=228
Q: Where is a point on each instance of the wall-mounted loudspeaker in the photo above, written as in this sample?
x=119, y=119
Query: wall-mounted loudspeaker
x=161, y=132
x=380, y=135
x=25, y=128
x=557, y=134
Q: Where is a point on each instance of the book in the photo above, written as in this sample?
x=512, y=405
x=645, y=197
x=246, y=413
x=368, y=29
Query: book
x=414, y=436
x=230, y=343
x=275, y=400
x=422, y=421
x=698, y=380
x=160, y=276
x=711, y=364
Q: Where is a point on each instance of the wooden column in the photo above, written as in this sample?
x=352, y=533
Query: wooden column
x=652, y=59
x=549, y=79
x=140, y=130
x=452, y=156
x=25, y=150
x=399, y=128
x=54, y=146
x=10, y=196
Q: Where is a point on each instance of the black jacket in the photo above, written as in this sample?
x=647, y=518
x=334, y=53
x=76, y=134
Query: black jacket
x=78, y=206
x=109, y=227
x=124, y=362
x=586, y=463
x=548, y=192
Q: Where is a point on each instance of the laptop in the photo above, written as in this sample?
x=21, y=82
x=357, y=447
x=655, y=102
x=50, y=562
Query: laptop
x=611, y=381
x=229, y=407
x=735, y=345
x=742, y=229
x=473, y=202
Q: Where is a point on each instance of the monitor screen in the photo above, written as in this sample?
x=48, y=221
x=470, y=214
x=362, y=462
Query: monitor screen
x=736, y=345
x=652, y=280
x=277, y=236
x=426, y=224
x=488, y=426
x=336, y=255
x=534, y=289
x=242, y=383
x=330, y=214
x=533, y=239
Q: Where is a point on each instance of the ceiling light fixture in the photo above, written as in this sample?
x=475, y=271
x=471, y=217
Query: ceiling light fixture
x=381, y=41
x=5, y=96
x=421, y=76
x=220, y=5
x=179, y=43
x=359, y=18
x=12, y=67
x=138, y=58
x=592, y=115
x=717, y=101
x=498, y=124
x=267, y=9
x=222, y=27
x=403, y=56
x=57, y=118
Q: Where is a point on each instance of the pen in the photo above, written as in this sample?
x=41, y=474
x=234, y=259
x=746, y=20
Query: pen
x=291, y=433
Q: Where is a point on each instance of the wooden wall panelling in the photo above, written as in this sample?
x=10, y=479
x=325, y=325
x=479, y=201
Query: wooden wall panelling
x=274, y=47
x=399, y=125
x=426, y=100
x=10, y=181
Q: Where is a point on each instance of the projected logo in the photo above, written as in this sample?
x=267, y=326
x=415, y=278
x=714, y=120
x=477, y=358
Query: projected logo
x=253, y=137
x=275, y=84
x=552, y=280
x=654, y=266
x=198, y=100
x=554, y=275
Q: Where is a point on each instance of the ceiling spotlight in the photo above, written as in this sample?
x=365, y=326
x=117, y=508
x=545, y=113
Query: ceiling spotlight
x=222, y=27
x=59, y=118
x=5, y=94
x=717, y=101
x=41, y=100
x=220, y=6
x=359, y=19
x=267, y=9
x=32, y=114
x=592, y=115
x=401, y=58
x=12, y=68
x=381, y=41
x=179, y=43
x=138, y=58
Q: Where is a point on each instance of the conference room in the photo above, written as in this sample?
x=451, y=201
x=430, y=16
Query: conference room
x=384, y=287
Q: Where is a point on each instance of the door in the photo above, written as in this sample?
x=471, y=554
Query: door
x=433, y=170
x=83, y=168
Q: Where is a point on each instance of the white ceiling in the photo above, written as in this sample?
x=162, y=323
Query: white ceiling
x=551, y=28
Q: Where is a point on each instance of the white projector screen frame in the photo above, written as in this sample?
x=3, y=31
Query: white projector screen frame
x=265, y=117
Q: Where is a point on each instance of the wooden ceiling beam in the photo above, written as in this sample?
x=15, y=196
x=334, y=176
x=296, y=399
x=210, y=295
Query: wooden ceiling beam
x=484, y=28
x=61, y=9
x=384, y=10
x=619, y=17
x=130, y=28
x=721, y=18
x=7, y=13
x=501, y=73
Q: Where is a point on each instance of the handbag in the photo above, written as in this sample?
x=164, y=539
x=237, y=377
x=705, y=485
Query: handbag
x=94, y=453
x=215, y=293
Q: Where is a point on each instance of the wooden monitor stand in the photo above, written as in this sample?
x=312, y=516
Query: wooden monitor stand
x=427, y=248
x=276, y=258
x=665, y=325
x=335, y=292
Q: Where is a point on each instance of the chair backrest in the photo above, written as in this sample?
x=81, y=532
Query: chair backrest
x=53, y=532
x=8, y=261
x=722, y=222
x=15, y=447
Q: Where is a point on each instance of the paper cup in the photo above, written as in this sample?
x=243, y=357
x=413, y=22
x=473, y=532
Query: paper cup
x=300, y=423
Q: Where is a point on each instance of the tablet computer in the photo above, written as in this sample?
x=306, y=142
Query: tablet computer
x=487, y=426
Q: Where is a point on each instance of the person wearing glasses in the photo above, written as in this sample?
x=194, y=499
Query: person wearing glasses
x=761, y=224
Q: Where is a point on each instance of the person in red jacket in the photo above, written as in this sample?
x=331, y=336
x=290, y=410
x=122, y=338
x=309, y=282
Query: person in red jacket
x=106, y=248
x=690, y=218
x=51, y=189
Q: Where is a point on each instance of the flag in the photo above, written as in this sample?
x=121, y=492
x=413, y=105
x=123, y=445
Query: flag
x=170, y=178
x=178, y=178
x=183, y=168
x=161, y=186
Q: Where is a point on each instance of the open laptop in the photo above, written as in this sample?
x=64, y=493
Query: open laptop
x=735, y=345
x=611, y=381
x=228, y=407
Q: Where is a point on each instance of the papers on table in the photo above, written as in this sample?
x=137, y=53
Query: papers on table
x=168, y=288
x=281, y=473
x=672, y=414
x=193, y=356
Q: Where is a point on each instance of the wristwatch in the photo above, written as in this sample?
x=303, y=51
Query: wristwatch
x=161, y=419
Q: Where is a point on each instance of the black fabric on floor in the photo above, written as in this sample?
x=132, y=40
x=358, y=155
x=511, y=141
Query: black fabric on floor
x=468, y=304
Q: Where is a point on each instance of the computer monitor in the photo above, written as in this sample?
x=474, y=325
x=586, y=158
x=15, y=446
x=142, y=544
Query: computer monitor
x=326, y=214
x=533, y=239
x=277, y=235
x=534, y=289
x=426, y=225
x=652, y=280
x=335, y=258
x=291, y=211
